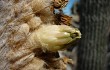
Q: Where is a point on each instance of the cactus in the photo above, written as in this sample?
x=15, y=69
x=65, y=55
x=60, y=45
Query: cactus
x=29, y=37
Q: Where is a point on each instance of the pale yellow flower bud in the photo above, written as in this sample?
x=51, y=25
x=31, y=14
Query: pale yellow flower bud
x=55, y=37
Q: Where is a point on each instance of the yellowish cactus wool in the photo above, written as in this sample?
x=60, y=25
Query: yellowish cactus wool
x=34, y=22
x=24, y=28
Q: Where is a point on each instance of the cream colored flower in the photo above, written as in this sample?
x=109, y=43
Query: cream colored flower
x=55, y=37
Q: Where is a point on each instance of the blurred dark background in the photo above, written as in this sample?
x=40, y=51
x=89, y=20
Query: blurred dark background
x=94, y=47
